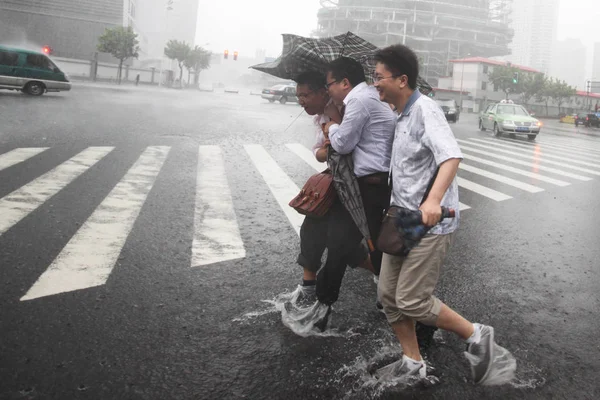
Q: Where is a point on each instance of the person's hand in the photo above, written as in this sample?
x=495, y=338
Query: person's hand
x=326, y=143
x=326, y=128
x=431, y=211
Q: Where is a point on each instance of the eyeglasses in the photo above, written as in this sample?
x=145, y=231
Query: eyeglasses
x=328, y=84
x=379, y=78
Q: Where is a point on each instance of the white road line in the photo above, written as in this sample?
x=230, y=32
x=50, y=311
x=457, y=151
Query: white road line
x=282, y=187
x=536, y=152
x=590, y=146
x=501, y=178
x=565, y=145
x=90, y=256
x=19, y=155
x=561, y=151
x=217, y=235
x=307, y=155
x=482, y=190
x=530, y=163
x=17, y=205
x=515, y=170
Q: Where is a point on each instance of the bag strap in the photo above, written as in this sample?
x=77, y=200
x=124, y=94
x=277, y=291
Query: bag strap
x=431, y=182
x=429, y=186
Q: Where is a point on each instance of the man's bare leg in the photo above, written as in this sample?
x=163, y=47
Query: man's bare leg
x=407, y=336
x=450, y=320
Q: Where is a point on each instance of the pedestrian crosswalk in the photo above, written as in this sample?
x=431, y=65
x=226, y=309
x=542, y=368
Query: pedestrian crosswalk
x=493, y=169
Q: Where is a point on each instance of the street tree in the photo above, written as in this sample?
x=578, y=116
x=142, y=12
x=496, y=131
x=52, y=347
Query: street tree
x=198, y=60
x=532, y=85
x=546, y=92
x=179, y=51
x=502, y=77
x=562, y=91
x=121, y=42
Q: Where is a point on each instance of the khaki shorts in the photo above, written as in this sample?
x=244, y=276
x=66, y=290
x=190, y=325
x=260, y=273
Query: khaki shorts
x=406, y=284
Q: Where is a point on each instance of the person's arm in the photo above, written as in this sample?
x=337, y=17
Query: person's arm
x=332, y=111
x=345, y=137
x=438, y=137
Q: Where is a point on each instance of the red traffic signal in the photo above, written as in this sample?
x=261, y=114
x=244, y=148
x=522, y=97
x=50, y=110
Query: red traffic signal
x=235, y=54
x=226, y=54
x=47, y=50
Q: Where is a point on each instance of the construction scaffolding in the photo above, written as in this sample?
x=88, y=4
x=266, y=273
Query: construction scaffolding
x=437, y=30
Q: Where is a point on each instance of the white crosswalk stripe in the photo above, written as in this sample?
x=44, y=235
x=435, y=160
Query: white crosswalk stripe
x=281, y=185
x=89, y=257
x=18, y=204
x=572, y=154
x=216, y=233
x=492, y=170
x=535, y=152
x=534, y=165
x=17, y=156
x=535, y=157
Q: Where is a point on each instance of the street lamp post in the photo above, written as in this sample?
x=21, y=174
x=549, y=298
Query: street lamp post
x=168, y=8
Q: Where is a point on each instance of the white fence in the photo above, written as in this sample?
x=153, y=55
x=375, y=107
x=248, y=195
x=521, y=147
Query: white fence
x=83, y=70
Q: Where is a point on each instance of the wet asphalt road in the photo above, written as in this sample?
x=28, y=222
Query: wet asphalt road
x=159, y=328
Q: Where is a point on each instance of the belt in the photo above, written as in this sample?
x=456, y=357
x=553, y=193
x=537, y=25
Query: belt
x=378, y=178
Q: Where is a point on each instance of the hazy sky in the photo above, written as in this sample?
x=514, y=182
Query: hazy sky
x=245, y=25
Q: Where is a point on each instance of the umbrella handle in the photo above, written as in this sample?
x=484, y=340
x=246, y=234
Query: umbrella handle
x=371, y=246
x=448, y=213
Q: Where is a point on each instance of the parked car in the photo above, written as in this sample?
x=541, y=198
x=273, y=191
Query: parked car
x=31, y=72
x=508, y=117
x=588, y=120
x=280, y=93
x=450, y=108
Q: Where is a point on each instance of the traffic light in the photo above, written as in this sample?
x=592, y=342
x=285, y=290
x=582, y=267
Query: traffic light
x=516, y=78
x=47, y=50
x=235, y=54
x=226, y=54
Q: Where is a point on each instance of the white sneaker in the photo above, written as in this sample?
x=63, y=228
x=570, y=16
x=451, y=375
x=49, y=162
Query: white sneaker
x=402, y=369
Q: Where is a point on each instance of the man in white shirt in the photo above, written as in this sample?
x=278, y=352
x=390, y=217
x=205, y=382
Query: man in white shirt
x=426, y=154
x=366, y=132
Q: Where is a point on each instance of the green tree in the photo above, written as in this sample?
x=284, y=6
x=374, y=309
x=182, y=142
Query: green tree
x=198, y=59
x=532, y=85
x=121, y=42
x=561, y=91
x=546, y=93
x=502, y=78
x=179, y=51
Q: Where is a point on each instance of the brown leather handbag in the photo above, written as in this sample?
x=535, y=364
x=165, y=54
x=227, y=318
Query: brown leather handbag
x=317, y=195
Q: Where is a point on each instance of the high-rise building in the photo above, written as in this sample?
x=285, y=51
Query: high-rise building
x=569, y=62
x=535, y=25
x=437, y=30
x=596, y=64
x=70, y=27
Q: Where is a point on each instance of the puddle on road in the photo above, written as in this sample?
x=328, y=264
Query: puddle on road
x=357, y=378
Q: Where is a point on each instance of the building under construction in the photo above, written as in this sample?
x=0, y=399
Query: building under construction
x=438, y=30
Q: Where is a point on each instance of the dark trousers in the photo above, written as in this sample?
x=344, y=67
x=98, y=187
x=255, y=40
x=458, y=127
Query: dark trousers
x=338, y=232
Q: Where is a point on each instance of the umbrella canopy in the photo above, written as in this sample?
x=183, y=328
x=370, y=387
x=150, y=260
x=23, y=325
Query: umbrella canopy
x=348, y=191
x=301, y=54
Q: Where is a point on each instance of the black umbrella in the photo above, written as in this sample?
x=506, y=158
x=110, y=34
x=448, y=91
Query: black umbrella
x=301, y=54
x=410, y=224
x=348, y=191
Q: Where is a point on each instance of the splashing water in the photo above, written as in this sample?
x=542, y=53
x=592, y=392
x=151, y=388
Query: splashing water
x=360, y=374
x=299, y=318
